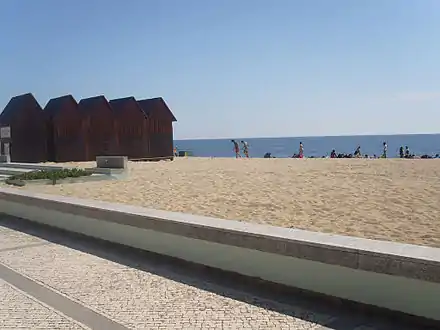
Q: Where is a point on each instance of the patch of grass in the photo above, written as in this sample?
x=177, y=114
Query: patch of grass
x=51, y=175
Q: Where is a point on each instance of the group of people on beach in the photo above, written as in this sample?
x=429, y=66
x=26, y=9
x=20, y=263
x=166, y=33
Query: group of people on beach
x=358, y=154
x=403, y=152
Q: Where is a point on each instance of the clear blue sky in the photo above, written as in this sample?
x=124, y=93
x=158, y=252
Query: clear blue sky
x=241, y=68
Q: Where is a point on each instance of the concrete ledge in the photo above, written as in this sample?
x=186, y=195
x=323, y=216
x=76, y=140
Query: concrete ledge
x=106, y=171
x=399, y=277
x=30, y=166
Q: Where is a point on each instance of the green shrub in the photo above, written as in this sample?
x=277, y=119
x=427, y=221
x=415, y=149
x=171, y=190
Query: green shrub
x=51, y=175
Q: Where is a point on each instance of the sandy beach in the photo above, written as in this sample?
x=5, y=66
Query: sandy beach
x=386, y=199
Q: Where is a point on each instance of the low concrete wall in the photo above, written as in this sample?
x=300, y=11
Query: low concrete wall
x=31, y=166
x=399, y=277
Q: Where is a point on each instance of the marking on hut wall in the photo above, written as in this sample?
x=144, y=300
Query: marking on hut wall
x=5, y=132
x=5, y=140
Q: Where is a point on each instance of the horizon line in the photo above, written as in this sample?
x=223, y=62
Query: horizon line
x=303, y=136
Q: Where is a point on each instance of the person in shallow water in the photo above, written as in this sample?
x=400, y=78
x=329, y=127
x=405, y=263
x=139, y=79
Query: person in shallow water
x=236, y=149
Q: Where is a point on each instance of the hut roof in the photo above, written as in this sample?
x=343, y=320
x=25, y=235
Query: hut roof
x=118, y=105
x=17, y=103
x=157, y=106
x=56, y=104
x=88, y=104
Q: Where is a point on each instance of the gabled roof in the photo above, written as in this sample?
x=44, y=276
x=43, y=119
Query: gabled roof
x=17, y=103
x=119, y=105
x=156, y=107
x=88, y=104
x=56, y=104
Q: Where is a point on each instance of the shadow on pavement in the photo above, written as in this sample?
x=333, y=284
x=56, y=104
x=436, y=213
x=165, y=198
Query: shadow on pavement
x=231, y=285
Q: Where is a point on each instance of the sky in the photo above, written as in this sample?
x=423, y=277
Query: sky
x=235, y=68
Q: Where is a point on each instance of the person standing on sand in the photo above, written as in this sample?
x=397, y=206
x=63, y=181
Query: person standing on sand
x=407, y=155
x=301, y=150
x=401, y=153
x=236, y=149
x=385, y=149
x=245, y=148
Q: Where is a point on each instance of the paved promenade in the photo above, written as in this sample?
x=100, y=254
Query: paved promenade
x=50, y=280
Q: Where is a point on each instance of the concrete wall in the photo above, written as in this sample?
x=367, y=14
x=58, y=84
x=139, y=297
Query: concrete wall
x=396, y=276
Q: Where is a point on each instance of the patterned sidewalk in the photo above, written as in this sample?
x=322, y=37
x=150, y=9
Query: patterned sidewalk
x=53, y=281
x=19, y=310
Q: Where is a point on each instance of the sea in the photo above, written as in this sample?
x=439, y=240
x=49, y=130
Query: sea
x=318, y=146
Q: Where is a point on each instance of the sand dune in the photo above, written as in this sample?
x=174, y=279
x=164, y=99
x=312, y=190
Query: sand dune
x=393, y=199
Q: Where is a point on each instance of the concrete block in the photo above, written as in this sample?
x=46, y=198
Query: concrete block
x=119, y=162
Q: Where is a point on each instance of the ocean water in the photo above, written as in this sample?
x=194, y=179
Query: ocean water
x=419, y=144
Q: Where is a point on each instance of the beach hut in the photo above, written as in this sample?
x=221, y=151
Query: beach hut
x=99, y=124
x=66, y=141
x=131, y=124
x=160, y=125
x=26, y=119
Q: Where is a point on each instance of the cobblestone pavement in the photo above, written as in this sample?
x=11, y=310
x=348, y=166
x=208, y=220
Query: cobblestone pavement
x=19, y=311
x=135, y=295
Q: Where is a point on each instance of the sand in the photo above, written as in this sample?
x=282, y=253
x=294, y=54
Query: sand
x=386, y=199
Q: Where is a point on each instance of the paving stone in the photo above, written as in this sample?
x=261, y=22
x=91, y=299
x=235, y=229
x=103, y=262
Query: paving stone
x=143, y=300
x=19, y=311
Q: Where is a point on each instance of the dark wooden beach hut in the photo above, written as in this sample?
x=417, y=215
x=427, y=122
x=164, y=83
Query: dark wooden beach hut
x=160, y=126
x=66, y=141
x=99, y=124
x=27, y=121
x=131, y=124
